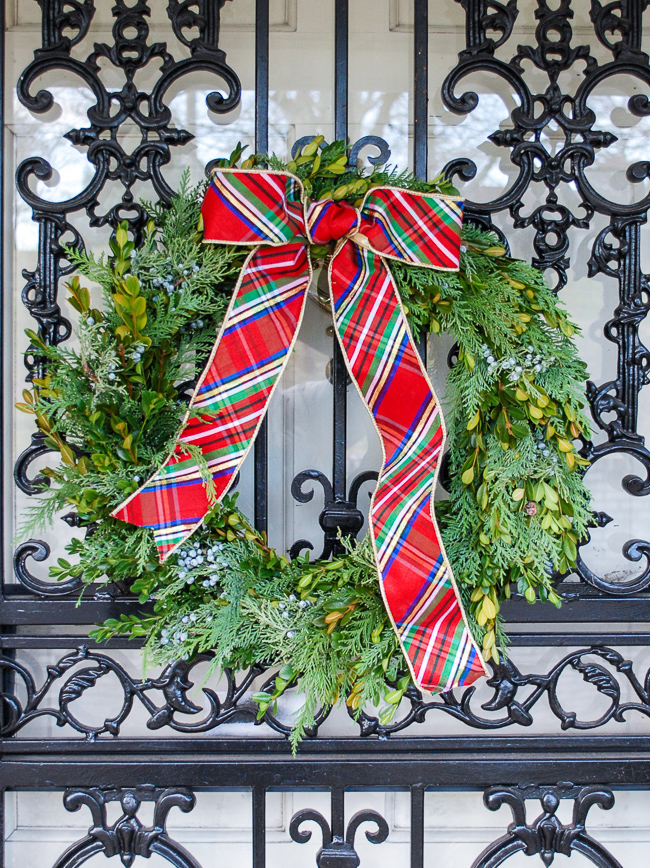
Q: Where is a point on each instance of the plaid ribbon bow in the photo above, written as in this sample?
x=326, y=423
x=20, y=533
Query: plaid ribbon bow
x=267, y=211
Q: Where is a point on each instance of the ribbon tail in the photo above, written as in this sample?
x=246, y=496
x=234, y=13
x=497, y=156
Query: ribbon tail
x=230, y=399
x=415, y=576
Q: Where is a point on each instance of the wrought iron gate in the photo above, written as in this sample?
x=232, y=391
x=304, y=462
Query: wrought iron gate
x=578, y=759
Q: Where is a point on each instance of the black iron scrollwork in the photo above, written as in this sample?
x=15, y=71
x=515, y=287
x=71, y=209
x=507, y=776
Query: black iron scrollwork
x=547, y=836
x=171, y=701
x=379, y=159
x=338, y=851
x=128, y=838
x=129, y=53
x=65, y=24
x=516, y=694
x=81, y=670
x=339, y=516
x=487, y=16
x=616, y=250
x=40, y=551
x=552, y=54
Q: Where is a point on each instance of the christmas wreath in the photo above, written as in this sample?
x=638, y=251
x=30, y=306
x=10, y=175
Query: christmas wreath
x=113, y=408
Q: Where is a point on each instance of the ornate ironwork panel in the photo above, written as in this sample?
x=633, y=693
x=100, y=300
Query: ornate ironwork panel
x=165, y=738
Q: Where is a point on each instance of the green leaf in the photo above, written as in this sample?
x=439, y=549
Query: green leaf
x=468, y=476
x=569, y=548
x=554, y=599
x=287, y=672
x=386, y=714
x=139, y=306
x=519, y=429
x=549, y=493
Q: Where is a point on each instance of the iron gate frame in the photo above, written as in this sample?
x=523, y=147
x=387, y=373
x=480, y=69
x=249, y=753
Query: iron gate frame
x=169, y=771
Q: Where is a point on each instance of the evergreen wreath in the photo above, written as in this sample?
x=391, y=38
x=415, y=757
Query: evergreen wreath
x=111, y=409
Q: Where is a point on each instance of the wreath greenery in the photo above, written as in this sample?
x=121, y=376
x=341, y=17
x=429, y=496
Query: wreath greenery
x=517, y=505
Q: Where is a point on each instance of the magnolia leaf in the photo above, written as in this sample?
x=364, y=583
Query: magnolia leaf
x=489, y=639
x=566, y=328
x=571, y=414
x=554, y=599
x=287, y=673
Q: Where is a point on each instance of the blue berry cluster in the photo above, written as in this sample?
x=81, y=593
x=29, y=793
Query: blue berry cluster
x=166, y=283
x=542, y=447
x=532, y=363
x=193, y=557
x=292, y=603
x=136, y=352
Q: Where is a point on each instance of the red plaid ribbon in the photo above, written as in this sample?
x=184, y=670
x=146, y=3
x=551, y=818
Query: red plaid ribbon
x=267, y=211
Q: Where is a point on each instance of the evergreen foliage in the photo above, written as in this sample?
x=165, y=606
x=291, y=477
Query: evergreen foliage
x=517, y=505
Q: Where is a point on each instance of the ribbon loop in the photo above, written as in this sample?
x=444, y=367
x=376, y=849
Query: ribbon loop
x=416, y=228
x=253, y=207
x=265, y=210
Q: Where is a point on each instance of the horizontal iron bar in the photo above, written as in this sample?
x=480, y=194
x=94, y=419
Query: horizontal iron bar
x=32, y=610
x=524, y=639
x=243, y=770
x=553, y=640
x=589, y=610
x=562, y=745
x=64, y=643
